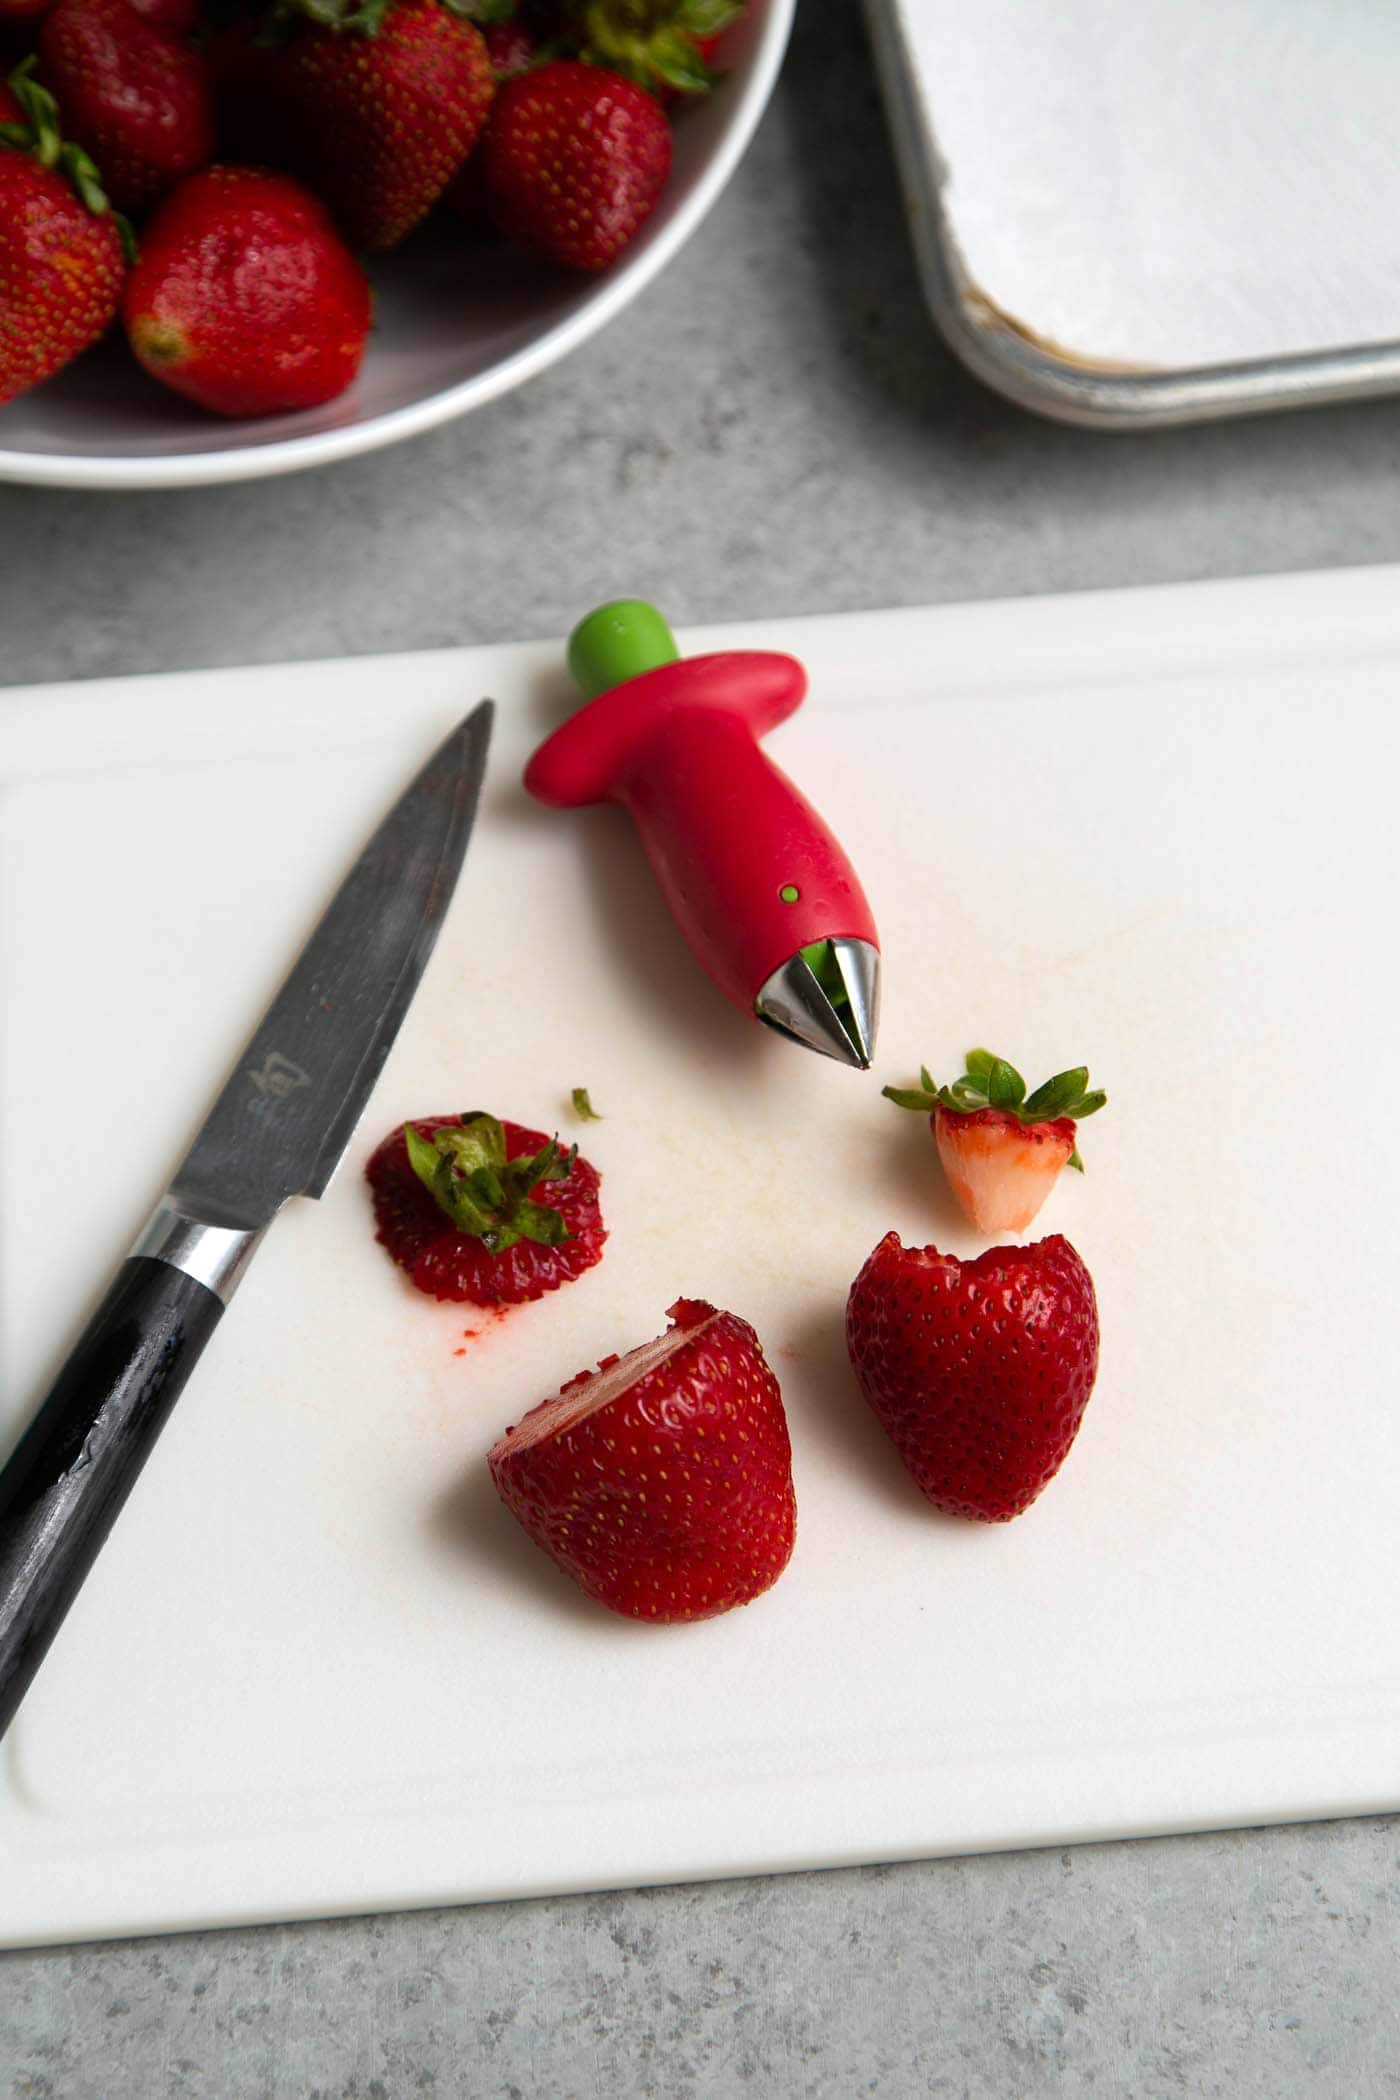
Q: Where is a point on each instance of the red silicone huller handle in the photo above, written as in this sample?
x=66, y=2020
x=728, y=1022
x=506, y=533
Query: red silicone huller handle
x=750, y=871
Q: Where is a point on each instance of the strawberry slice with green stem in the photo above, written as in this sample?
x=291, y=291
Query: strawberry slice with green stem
x=466, y=1171
x=484, y=1212
x=1002, y=1149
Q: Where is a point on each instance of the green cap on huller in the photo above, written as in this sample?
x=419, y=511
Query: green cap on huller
x=617, y=642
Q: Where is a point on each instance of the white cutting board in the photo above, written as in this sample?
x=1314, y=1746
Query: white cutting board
x=318, y=1669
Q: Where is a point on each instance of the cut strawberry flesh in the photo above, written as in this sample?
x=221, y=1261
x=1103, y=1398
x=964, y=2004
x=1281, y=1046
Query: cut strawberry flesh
x=1000, y=1170
x=583, y=1396
x=662, y=1481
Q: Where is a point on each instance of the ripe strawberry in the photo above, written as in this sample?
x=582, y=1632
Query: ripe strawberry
x=1001, y=1152
x=137, y=100
x=575, y=160
x=245, y=298
x=61, y=255
x=979, y=1371
x=662, y=1481
x=460, y=1202
x=376, y=113
x=665, y=46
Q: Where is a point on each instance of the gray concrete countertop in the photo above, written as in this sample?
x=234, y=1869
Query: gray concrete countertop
x=772, y=429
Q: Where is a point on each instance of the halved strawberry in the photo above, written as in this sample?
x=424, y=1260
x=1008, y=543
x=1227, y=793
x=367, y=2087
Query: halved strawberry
x=1001, y=1150
x=484, y=1212
x=979, y=1371
x=662, y=1481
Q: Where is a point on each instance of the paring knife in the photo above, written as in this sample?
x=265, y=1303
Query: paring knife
x=277, y=1130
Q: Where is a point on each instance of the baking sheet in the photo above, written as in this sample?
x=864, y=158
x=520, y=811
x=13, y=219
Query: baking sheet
x=1107, y=200
x=318, y=1670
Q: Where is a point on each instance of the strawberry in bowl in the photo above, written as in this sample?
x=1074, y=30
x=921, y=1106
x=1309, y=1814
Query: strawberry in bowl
x=244, y=297
x=63, y=251
x=1003, y=1150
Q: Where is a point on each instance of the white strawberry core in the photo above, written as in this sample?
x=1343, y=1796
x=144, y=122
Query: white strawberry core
x=556, y=1417
x=1000, y=1173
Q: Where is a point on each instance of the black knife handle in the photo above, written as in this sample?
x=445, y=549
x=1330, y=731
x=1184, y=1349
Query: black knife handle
x=76, y=1463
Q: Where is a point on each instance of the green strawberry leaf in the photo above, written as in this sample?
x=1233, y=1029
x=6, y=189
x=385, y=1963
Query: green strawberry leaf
x=964, y=1096
x=1054, y=1098
x=1075, y=1161
x=1005, y=1086
x=911, y=1097
x=583, y=1107
x=1088, y=1105
x=703, y=18
x=979, y=1064
x=423, y=1154
x=675, y=60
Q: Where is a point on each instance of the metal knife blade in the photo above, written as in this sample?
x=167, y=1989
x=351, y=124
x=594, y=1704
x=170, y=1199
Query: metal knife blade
x=284, y=1118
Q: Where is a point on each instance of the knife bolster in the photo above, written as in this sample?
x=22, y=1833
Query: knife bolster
x=214, y=1255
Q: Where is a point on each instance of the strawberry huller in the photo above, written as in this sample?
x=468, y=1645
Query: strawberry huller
x=755, y=880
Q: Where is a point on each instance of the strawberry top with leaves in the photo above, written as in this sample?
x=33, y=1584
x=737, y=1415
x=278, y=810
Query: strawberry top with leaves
x=483, y=1212
x=62, y=249
x=664, y=45
x=1002, y=1149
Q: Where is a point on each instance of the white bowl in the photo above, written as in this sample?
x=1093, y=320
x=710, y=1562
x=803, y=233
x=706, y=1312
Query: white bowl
x=456, y=324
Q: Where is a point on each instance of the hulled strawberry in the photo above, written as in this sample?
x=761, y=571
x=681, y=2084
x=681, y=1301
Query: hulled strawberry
x=1001, y=1150
x=376, y=105
x=664, y=45
x=62, y=260
x=662, y=1481
x=138, y=100
x=978, y=1371
x=245, y=298
x=574, y=161
x=485, y=1212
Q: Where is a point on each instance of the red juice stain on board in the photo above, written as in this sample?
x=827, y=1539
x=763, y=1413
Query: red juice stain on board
x=495, y=1314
